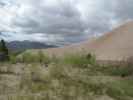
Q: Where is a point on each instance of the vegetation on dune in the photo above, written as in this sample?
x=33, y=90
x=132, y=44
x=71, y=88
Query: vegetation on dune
x=80, y=60
x=72, y=77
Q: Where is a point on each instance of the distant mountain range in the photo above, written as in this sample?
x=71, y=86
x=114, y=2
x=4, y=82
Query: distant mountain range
x=24, y=45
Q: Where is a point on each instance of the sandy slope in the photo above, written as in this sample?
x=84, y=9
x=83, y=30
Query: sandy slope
x=115, y=45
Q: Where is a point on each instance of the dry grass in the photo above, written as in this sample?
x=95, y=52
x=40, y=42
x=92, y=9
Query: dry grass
x=71, y=78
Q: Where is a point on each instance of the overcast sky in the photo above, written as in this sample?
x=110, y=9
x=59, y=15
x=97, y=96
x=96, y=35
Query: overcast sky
x=61, y=21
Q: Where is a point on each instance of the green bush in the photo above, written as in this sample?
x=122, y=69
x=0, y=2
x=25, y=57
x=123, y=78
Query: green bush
x=43, y=58
x=122, y=71
x=39, y=57
x=120, y=89
x=28, y=57
x=97, y=88
x=13, y=59
x=79, y=60
x=116, y=93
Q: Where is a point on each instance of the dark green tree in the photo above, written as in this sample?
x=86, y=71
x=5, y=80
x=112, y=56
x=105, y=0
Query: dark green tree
x=4, y=49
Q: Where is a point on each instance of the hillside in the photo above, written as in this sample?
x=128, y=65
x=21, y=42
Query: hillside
x=115, y=45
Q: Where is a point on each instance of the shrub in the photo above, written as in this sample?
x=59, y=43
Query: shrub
x=115, y=93
x=79, y=60
x=120, y=89
x=43, y=58
x=28, y=57
x=122, y=71
x=39, y=57
x=13, y=59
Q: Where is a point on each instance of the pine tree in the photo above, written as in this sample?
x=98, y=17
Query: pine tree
x=4, y=49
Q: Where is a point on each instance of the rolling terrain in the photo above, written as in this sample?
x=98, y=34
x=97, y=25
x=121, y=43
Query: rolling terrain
x=33, y=75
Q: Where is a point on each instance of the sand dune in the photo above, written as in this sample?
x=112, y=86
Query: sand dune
x=115, y=45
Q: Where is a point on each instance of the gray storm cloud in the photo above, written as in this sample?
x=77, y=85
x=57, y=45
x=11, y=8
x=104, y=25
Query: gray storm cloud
x=65, y=20
x=60, y=18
